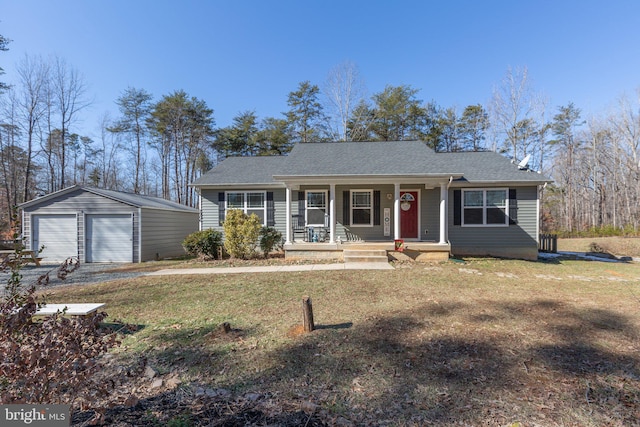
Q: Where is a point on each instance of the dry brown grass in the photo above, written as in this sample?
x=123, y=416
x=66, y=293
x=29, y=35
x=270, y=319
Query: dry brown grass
x=487, y=342
x=625, y=246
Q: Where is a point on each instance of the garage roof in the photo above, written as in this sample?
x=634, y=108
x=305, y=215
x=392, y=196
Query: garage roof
x=135, y=200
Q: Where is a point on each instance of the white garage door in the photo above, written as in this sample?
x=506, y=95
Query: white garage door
x=58, y=234
x=109, y=238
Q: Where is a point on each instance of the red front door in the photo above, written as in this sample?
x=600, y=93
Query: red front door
x=409, y=215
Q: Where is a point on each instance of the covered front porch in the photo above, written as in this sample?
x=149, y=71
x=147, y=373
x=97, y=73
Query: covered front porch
x=367, y=212
x=412, y=250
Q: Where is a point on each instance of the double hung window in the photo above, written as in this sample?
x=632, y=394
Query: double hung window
x=316, y=210
x=250, y=202
x=485, y=207
x=362, y=208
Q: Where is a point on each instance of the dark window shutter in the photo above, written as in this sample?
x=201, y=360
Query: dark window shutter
x=376, y=207
x=271, y=220
x=513, y=206
x=457, y=207
x=346, y=210
x=221, y=207
x=301, y=208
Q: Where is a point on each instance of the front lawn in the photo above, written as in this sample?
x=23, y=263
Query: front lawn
x=484, y=342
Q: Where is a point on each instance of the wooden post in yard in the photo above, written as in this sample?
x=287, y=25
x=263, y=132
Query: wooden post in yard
x=307, y=314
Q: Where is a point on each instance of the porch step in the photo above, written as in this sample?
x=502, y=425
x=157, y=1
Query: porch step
x=365, y=255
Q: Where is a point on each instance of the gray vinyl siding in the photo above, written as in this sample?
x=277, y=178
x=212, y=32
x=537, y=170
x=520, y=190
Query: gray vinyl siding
x=164, y=232
x=515, y=241
x=280, y=211
x=430, y=205
x=210, y=209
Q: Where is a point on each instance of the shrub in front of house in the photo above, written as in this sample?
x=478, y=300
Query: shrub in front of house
x=270, y=239
x=205, y=243
x=241, y=234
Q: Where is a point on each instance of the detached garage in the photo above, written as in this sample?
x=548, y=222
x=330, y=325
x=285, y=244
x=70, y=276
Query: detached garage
x=99, y=225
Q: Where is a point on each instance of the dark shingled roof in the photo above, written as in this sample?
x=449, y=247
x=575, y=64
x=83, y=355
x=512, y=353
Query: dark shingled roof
x=487, y=166
x=367, y=158
x=244, y=170
x=360, y=158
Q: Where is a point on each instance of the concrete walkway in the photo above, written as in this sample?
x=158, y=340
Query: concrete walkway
x=275, y=268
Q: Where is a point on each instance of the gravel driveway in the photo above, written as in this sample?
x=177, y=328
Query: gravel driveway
x=87, y=273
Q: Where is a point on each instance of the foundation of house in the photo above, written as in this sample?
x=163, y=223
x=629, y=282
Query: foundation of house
x=417, y=250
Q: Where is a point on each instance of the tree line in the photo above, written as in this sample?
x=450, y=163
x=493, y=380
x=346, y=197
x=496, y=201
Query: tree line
x=158, y=147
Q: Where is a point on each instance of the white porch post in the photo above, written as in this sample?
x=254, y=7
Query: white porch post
x=396, y=211
x=287, y=210
x=444, y=196
x=332, y=213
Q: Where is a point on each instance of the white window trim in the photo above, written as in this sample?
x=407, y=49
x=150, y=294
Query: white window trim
x=484, y=207
x=246, y=202
x=306, y=206
x=358, y=190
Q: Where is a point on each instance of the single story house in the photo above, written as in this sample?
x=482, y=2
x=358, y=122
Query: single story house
x=328, y=197
x=97, y=225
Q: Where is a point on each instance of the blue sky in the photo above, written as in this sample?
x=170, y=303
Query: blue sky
x=248, y=55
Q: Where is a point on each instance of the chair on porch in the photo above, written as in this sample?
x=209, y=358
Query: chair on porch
x=298, y=228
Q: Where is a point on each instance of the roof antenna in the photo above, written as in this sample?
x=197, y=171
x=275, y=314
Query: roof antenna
x=524, y=163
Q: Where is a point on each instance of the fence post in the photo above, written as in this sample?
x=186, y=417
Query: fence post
x=307, y=314
x=548, y=243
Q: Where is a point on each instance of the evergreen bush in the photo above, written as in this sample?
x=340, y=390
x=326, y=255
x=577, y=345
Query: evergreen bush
x=270, y=239
x=241, y=234
x=204, y=243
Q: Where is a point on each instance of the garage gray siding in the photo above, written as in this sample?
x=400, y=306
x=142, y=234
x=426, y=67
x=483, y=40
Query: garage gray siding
x=164, y=231
x=515, y=241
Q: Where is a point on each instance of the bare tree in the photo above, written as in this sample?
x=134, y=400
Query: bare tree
x=34, y=74
x=69, y=91
x=626, y=124
x=109, y=161
x=343, y=91
x=135, y=107
x=512, y=104
x=11, y=154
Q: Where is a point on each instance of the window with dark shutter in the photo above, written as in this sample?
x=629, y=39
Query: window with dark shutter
x=271, y=220
x=346, y=207
x=513, y=206
x=376, y=207
x=301, y=206
x=457, y=207
x=221, y=207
